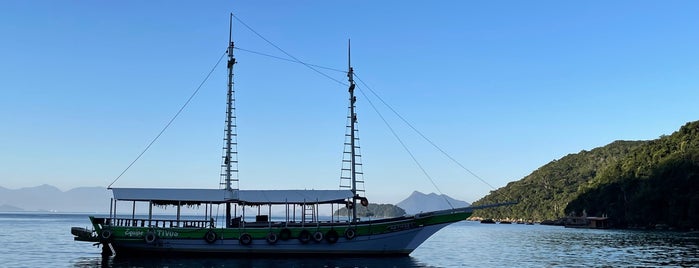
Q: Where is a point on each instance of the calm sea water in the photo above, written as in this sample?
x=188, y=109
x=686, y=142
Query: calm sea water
x=44, y=240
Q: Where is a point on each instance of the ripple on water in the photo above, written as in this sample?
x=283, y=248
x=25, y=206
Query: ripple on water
x=44, y=240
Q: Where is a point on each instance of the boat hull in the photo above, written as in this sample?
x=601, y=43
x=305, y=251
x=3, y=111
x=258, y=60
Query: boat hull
x=400, y=243
x=388, y=237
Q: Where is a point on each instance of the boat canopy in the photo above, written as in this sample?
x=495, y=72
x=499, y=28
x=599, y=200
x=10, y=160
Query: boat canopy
x=172, y=195
x=248, y=197
x=263, y=197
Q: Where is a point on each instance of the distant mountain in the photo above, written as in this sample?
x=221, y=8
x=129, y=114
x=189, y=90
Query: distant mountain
x=8, y=208
x=374, y=210
x=418, y=202
x=49, y=198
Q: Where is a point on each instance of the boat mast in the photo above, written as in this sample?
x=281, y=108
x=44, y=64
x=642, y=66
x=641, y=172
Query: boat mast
x=230, y=158
x=353, y=121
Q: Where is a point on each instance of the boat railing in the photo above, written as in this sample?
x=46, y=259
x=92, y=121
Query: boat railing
x=292, y=223
x=161, y=223
x=235, y=223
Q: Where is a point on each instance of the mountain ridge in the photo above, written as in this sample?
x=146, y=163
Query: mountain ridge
x=47, y=197
x=419, y=202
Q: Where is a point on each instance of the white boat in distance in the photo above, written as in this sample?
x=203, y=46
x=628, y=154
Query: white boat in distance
x=299, y=231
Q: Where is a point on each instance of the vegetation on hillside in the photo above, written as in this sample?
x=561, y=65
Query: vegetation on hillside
x=634, y=183
x=374, y=210
x=657, y=183
x=545, y=193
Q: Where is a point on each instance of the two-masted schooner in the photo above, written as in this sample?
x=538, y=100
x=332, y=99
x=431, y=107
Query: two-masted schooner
x=298, y=230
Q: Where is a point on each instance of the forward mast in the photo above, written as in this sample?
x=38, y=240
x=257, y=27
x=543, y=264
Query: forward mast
x=230, y=157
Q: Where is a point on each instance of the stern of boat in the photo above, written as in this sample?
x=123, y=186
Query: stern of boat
x=85, y=234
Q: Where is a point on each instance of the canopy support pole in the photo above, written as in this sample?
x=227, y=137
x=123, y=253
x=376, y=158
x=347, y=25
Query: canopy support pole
x=179, y=207
x=133, y=212
x=150, y=213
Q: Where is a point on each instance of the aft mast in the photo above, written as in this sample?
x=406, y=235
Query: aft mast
x=230, y=157
x=351, y=176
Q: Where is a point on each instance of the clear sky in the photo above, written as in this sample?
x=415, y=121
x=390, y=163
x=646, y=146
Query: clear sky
x=503, y=86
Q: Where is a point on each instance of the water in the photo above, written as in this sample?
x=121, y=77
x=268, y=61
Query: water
x=44, y=240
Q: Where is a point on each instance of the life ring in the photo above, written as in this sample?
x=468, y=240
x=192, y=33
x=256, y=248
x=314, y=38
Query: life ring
x=106, y=235
x=210, y=237
x=272, y=238
x=331, y=236
x=364, y=201
x=304, y=236
x=245, y=239
x=318, y=236
x=350, y=233
x=150, y=237
x=285, y=234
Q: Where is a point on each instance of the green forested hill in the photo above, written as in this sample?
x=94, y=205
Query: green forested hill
x=635, y=183
x=657, y=183
x=545, y=193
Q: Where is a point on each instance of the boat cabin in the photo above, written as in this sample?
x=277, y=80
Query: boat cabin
x=299, y=207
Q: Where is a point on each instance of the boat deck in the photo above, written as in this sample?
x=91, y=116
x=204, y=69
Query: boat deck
x=235, y=223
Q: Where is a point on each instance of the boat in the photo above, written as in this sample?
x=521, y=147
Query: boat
x=586, y=222
x=300, y=229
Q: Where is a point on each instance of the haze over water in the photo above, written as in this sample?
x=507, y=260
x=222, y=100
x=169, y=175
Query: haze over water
x=41, y=240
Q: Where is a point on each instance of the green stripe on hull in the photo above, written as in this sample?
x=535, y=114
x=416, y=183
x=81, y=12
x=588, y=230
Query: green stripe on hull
x=362, y=228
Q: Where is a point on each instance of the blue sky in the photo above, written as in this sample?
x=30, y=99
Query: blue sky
x=503, y=86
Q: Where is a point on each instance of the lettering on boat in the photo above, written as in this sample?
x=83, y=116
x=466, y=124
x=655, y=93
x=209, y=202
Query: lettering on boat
x=167, y=233
x=133, y=233
x=400, y=227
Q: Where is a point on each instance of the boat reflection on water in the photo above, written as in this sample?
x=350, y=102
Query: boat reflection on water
x=117, y=261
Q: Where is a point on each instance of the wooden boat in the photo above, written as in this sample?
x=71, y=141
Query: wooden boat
x=299, y=230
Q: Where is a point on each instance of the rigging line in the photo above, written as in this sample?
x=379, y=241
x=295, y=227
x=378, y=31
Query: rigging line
x=171, y=120
x=289, y=60
x=404, y=146
x=280, y=49
x=422, y=135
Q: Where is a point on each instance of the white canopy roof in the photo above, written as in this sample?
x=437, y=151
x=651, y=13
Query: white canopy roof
x=170, y=194
x=250, y=197
x=293, y=196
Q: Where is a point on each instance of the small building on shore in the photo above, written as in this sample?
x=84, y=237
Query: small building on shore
x=587, y=222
